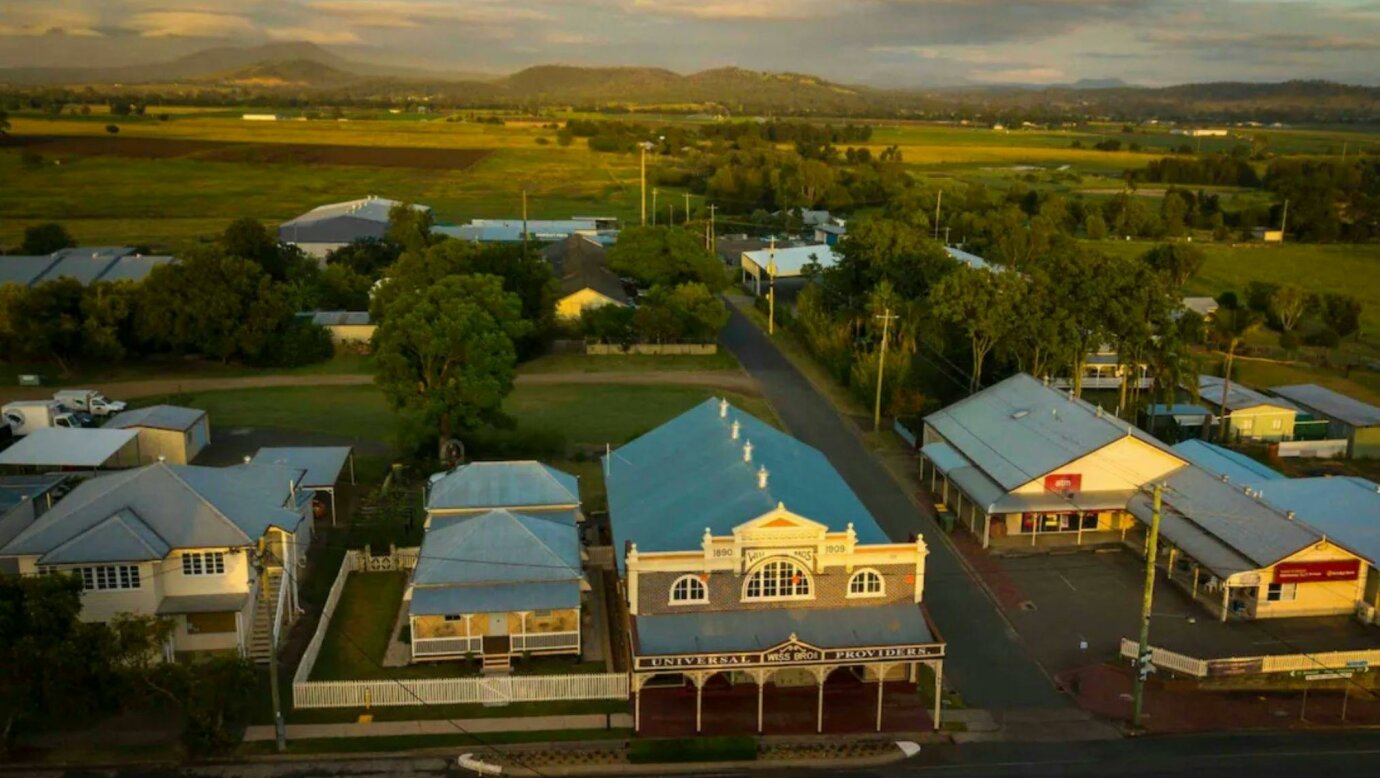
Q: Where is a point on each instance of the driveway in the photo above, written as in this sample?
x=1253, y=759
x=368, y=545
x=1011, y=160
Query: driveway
x=987, y=663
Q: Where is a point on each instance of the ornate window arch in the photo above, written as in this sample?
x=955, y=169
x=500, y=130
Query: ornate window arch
x=689, y=589
x=866, y=583
x=779, y=579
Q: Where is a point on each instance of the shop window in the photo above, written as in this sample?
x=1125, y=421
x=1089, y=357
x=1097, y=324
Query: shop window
x=689, y=589
x=781, y=579
x=1281, y=592
x=866, y=583
x=454, y=617
x=1089, y=520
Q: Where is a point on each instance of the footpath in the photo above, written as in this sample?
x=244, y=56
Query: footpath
x=586, y=721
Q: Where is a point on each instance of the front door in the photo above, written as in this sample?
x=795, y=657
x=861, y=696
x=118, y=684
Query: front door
x=498, y=624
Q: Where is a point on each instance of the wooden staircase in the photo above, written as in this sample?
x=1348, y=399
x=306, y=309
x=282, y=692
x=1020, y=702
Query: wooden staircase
x=261, y=636
x=494, y=654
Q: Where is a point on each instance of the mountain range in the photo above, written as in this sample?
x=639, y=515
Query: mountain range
x=300, y=68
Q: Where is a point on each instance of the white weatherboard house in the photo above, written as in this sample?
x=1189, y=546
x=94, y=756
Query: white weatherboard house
x=180, y=542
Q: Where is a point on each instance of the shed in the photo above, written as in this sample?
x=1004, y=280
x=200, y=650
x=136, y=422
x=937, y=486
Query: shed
x=75, y=449
x=789, y=262
x=1251, y=415
x=972, y=260
x=323, y=465
x=1347, y=418
x=166, y=432
x=1224, y=463
x=581, y=264
x=345, y=326
x=328, y=227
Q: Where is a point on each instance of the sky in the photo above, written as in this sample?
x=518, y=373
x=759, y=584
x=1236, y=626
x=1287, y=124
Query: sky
x=905, y=43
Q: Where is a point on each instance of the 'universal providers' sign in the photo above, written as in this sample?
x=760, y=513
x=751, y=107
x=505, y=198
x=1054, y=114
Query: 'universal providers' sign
x=791, y=653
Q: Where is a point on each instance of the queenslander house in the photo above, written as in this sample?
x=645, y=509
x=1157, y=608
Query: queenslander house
x=183, y=543
x=748, y=564
x=500, y=570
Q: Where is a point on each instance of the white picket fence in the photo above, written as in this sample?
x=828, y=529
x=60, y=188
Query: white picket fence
x=1278, y=663
x=454, y=691
x=1168, y=660
x=1315, y=449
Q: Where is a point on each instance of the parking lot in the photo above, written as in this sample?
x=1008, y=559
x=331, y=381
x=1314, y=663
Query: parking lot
x=1072, y=609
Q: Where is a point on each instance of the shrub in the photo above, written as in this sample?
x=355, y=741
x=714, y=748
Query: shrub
x=1325, y=337
x=543, y=140
x=1289, y=341
x=112, y=129
x=492, y=443
x=300, y=343
x=732, y=748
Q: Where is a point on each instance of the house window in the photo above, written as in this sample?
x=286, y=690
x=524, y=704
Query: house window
x=781, y=579
x=455, y=617
x=104, y=578
x=865, y=583
x=1245, y=423
x=1277, y=424
x=689, y=588
x=1281, y=592
x=203, y=563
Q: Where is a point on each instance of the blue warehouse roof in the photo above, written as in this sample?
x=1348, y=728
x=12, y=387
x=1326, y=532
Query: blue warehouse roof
x=1346, y=509
x=481, y=485
x=1219, y=461
x=667, y=486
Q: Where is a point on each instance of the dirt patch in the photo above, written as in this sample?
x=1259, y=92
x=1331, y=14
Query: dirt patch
x=264, y=153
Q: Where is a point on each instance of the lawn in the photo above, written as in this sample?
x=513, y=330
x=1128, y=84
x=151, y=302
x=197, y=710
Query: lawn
x=357, y=637
x=630, y=363
x=171, y=368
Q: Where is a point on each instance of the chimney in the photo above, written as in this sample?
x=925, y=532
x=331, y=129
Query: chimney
x=723, y=408
x=1099, y=411
x=747, y=451
x=762, y=477
x=735, y=429
x=247, y=459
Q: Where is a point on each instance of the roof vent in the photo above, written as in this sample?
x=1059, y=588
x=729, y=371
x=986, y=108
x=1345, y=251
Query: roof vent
x=1021, y=414
x=735, y=428
x=1289, y=515
x=1099, y=411
x=1224, y=478
x=762, y=477
x=747, y=451
x=723, y=408
x=247, y=459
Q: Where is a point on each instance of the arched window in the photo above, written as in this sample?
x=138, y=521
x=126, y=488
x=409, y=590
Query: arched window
x=780, y=579
x=866, y=583
x=689, y=588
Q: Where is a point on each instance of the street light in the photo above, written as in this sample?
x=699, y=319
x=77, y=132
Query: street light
x=646, y=146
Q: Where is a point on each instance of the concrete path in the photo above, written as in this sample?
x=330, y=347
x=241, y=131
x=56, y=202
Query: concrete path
x=986, y=663
x=732, y=380
x=446, y=726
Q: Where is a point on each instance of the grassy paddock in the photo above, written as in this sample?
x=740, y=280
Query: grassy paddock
x=633, y=363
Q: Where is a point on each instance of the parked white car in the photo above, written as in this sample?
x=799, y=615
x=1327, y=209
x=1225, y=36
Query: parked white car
x=89, y=401
x=25, y=416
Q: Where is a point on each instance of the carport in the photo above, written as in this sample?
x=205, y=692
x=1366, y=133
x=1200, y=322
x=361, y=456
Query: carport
x=74, y=449
x=323, y=465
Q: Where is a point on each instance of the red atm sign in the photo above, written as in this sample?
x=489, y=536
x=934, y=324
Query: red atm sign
x=1063, y=483
x=1302, y=572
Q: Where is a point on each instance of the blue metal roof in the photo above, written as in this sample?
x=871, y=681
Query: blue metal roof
x=123, y=537
x=499, y=547
x=1178, y=409
x=510, y=230
x=1344, y=508
x=667, y=486
x=1333, y=405
x=134, y=268
x=15, y=489
x=1237, y=467
x=523, y=484
x=24, y=270
x=756, y=630
x=494, y=598
x=322, y=464
x=163, y=417
x=944, y=457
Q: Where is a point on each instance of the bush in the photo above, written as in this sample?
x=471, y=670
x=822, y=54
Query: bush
x=494, y=443
x=1289, y=341
x=543, y=140
x=300, y=343
x=1325, y=337
x=112, y=129
x=30, y=160
x=733, y=748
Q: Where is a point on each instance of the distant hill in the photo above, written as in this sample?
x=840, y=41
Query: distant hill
x=290, y=73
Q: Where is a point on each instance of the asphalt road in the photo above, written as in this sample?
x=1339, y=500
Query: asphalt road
x=986, y=662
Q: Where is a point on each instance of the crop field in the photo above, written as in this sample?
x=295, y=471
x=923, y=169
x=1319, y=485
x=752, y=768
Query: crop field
x=224, y=151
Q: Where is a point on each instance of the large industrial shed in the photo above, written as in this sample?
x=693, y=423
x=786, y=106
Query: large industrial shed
x=166, y=432
x=328, y=227
x=1347, y=418
x=85, y=264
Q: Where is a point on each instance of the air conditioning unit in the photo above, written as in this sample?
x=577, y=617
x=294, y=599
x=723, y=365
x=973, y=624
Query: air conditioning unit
x=1365, y=612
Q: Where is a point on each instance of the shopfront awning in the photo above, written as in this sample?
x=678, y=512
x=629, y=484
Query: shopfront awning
x=944, y=457
x=983, y=491
x=1056, y=502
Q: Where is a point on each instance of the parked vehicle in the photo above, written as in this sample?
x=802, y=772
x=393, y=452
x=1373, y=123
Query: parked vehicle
x=89, y=401
x=25, y=416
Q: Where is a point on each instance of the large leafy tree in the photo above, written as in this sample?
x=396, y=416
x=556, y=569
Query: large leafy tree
x=46, y=322
x=983, y=306
x=367, y=256
x=666, y=256
x=409, y=226
x=45, y=239
x=1177, y=261
x=445, y=352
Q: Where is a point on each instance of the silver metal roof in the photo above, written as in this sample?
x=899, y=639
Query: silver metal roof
x=1333, y=405
x=134, y=267
x=64, y=447
x=1219, y=461
x=24, y=270
x=1238, y=397
x=499, y=547
x=339, y=318
x=857, y=626
x=972, y=260
x=1020, y=429
x=791, y=260
x=494, y=598
x=322, y=464
x=518, y=484
x=163, y=417
x=1345, y=509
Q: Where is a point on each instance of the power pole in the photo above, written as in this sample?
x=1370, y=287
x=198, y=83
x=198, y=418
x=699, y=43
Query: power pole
x=881, y=368
x=524, y=222
x=643, y=146
x=713, y=238
x=654, y=193
x=946, y=236
x=771, y=289
x=1143, y=652
x=670, y=214
x=1283, y=220
x=279, y=729
x=937, y=204
x=687, y=207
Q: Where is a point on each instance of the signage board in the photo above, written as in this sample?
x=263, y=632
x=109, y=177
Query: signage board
x=1064, y=483
x=1329, y=570
x=790, y=653
x=1225, y=667
x=752, y=556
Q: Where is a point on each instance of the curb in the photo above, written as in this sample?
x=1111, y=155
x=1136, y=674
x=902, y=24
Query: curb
x=691, y=768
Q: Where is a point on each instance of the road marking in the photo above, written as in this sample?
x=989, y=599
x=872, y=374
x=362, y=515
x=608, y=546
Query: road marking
x=1066, y=580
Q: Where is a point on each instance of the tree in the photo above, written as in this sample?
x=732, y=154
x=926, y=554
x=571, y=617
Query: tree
x=214, y=695
x=1177, y=261
x=445, y=352
x=1288, y=304
x=247, y=238
x=46, y=322
x=981, y=304
x=688, y=311
x=409, y=226
x=1230, y=327
x=1341, y=313
x=45, y=239
x=107, y=327
x=1095, y=227
x=665, y=256
x=339, y=288
x=369, y=257
x=113, y=129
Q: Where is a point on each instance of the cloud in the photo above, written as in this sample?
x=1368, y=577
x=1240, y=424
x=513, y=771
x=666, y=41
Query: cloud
x=313, y=35
x=33, y=20
x=739, y=10
x=1262, y=42
x=402, y=14
x=1027, y=75
x=189, y=24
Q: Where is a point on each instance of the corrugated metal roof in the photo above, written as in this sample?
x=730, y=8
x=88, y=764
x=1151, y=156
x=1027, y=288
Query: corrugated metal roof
x=93, y=252
x=85, y=269
x=944, y=457
x=499, y=547
x=972, y=260
x=134, y=268
x=503, y=485
x=667, y=486
x=1114, y=499
x=1333, y=405
x=86, y=264
x=322, y=465
x=1344, y=508
x=1203, y=306
x=370, y=208
x=202, y=603
x=979, y=488
x=64, y=447
x=790, y=260
x=1219, y=461
x=756, y=630
x=1221, y=526
x=123, y=537
x=494, y=598
x=1238, y=397
x=183, y=505
x=1019, y=430
x=510, y=230
x=1178, y=409
x=582, y=263
x=163, y=417
x=24, y=270
x=15, y=489
x=339, y=318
